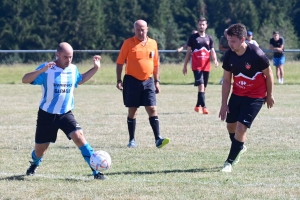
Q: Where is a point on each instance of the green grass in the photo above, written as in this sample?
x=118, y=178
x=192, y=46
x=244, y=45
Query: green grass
x=170, y=73
x=187, y=168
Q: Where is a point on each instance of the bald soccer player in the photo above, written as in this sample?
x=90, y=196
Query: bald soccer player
x=58, y=80
x=141, y=81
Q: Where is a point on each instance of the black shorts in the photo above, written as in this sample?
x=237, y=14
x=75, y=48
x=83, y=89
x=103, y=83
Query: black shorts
x=243, y=109
x=201, y=77
x=48, y=124
x=138, y=93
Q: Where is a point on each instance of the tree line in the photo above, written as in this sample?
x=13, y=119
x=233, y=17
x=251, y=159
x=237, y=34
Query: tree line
x=104, y=24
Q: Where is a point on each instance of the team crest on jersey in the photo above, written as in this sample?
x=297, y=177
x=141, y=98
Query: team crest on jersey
x=52, y=67
x=248, y=66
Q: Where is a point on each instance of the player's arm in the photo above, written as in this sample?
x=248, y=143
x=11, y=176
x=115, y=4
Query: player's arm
x=279, y=49
x=226, y=86
x=214, y=56
x=87, y=75
x=31, y=76
x=270, y=82
x=186, y=60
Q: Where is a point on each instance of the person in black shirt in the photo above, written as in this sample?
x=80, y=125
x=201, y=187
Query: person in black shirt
x=277, y=45
x=252, y=87
x=201, y=46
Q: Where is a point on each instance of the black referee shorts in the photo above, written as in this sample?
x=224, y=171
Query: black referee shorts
x=243, y=109
x=48, y=124
x=138, y=93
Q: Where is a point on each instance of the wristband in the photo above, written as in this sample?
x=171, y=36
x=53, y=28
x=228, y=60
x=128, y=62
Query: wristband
x=119, y=81
x=155, y=81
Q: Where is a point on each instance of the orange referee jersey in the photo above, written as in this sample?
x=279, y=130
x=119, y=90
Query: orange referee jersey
x=140, y=60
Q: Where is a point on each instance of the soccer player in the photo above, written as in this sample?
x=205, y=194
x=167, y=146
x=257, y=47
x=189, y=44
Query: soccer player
x=141, y=81
x=277, y=45
x=58, y=80
x=202, y=47
x=250, y=38
x=252, y=87
x=223, y=47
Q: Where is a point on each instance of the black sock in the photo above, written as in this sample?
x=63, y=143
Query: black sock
x=236, y=147
x=231, y=135
x=131, y=127
x=154, y=122
x=201, y=98
x=198, y=100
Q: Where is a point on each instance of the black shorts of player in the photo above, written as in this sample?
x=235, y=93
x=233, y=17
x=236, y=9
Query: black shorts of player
x=48, y=124
x=138, y=93
x=243, y=109
x=201, y=77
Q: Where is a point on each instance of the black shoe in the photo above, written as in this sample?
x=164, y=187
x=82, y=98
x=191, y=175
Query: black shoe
x=100, y=176
x=32, y=169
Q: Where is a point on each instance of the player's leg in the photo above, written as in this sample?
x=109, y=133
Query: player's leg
x=132, y=89
x=281, y=70
x=46, y=132
x=197, y=83
x=149, y=101
x=205, y=76
x=231, y=119
x=276, y=64
x=73, y=130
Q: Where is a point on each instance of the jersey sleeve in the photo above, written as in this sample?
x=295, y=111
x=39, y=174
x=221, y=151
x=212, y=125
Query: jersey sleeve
x=190, y=41
x=263, y=61
x=123, y=53
x=40, y=78
x=211, y=43
x=156, y=57
x=78, y=77
x=271, y=41
x=282, y=40
x=226, y=65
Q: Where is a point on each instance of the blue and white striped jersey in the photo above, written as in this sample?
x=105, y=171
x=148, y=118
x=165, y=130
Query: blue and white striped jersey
x=57, y=88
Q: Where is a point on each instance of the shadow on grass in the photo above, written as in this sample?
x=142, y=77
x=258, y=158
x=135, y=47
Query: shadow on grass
x=14, y=178
x=213, y=169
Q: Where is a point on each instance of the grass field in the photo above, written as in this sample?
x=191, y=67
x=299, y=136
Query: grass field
x=187, y=168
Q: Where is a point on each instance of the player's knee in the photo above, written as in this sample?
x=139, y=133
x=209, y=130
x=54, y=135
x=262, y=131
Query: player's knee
x=77, y=136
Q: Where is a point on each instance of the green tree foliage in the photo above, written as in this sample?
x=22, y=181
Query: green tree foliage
x=102, y=24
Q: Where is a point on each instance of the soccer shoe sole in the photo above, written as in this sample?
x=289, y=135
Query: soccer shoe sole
x=164, y=142
x=237, y=160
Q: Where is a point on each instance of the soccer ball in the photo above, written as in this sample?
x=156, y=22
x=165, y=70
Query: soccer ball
x=100, y=160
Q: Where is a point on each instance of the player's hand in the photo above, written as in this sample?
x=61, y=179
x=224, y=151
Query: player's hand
x=216, y=63
x=223, y=112
x=184, y=70
x=119, y=85
x=97, y=59
x=270, y=101
x=157, y=87
x=47, y=66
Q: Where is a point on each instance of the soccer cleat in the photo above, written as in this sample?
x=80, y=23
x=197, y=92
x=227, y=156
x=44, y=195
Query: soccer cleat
x=197, y=109
x=227, y=167
x=100, y=176
x=204, y=110
x=32, y=169
x=132, y=144
x=162, y=142
x=237, y=159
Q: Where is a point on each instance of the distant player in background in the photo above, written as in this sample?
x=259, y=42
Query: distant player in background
x=223, y=47
x=250, y=39
x=141, y=81
x=185, y=44
x=252, y=87
x=58, y=80
x=201, y=46
x=277, y=45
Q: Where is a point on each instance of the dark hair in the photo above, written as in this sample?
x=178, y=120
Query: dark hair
x=239, y=30
x=202, y=19
x=275, y=32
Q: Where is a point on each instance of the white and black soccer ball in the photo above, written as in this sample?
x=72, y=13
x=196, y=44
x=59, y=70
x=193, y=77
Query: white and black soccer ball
x=100, y=160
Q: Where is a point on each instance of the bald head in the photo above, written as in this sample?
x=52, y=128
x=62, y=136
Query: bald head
x=64, y=46
x=140, y=23
x=141, y=29
x=64, y=55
